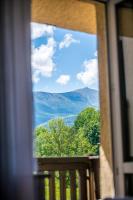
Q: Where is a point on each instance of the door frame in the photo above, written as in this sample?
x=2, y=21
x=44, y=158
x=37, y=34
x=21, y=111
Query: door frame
x=115, y=96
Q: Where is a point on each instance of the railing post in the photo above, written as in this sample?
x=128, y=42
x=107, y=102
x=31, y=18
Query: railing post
x=73, y=184
x=95, y=167
x=62, y=175
x=52, y=185
x=83, y=184
x=92, y=185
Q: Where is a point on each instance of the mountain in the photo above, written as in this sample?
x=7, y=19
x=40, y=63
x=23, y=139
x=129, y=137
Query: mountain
x=66, y=105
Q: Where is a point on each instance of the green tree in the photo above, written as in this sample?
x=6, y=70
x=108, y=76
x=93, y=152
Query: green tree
x=60, y=140
x=41, y=135
x=89, y=121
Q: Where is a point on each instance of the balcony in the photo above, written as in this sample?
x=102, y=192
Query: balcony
x=64, y=178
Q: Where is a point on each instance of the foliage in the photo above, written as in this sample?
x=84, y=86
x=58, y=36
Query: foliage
x=58, y=139
x=89, y=121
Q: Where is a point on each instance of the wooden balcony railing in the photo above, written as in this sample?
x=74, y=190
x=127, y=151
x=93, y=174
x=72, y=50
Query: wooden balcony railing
x=67, y=178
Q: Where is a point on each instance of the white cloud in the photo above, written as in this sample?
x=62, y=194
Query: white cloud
x=38, y=30
x=89, y=77
x=35, y=76
x=42, y=60
x=63, y=79
x=67, y=41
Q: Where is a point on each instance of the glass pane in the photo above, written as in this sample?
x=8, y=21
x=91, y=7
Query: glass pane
x=125, y=29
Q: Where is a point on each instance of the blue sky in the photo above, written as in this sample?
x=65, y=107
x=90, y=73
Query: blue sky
x=63, y=60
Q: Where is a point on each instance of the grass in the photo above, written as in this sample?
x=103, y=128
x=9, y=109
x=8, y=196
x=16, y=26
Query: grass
x=57, y=189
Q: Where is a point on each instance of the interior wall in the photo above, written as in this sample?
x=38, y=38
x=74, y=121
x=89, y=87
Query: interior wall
x=70, y=14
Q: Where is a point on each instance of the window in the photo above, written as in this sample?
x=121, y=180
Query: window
x=66, y=92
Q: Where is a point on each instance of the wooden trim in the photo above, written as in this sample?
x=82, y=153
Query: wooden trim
x=66, y=160
x=70, y=163
x=15, y=101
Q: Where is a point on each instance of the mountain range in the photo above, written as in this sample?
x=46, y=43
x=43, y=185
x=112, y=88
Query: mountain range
x=67, y=105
